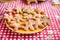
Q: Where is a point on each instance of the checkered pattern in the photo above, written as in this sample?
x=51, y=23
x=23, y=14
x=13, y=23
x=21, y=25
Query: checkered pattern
x=51, y=11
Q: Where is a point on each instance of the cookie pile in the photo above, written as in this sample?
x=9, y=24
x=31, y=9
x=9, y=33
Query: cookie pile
x=25, y=18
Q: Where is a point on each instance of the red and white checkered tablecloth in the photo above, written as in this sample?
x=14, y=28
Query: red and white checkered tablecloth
x=52, y=32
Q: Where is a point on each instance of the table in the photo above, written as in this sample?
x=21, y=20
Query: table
x=52, y=32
